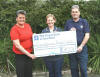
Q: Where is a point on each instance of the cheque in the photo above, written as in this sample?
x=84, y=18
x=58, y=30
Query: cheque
x=57, y=43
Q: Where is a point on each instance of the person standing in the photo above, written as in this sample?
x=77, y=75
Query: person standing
x=21, y=36
x=53, y=63
x=83, y=33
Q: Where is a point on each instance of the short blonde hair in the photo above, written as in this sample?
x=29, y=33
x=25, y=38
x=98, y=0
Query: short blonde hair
x=51, y=15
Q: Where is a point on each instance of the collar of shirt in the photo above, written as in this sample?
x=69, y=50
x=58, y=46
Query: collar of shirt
x=48, y=30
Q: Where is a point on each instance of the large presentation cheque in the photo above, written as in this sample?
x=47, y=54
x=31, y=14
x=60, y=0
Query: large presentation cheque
x=57, y=43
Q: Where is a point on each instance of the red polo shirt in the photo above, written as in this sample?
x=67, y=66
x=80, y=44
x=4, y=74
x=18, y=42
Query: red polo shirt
x=24, y=35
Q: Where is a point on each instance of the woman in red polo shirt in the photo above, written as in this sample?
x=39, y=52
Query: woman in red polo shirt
x=21, y=35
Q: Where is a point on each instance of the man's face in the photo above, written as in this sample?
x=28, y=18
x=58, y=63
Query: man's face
x=21, y=19
x=75, y=13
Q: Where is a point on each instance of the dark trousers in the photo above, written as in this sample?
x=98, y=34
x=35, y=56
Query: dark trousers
x=23, y=66
x=54, y=67
x=81, y=60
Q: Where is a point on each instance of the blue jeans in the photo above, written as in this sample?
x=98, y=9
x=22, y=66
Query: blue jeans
x=80, y=59
x=54, y=67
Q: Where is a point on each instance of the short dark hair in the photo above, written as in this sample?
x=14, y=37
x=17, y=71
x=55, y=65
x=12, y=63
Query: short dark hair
x=20, y=12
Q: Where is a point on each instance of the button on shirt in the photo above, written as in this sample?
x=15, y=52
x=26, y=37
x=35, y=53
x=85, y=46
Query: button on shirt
x=81, y=26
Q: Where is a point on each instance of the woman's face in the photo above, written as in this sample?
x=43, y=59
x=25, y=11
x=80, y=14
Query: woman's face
x=50, y=21
x=20, y=19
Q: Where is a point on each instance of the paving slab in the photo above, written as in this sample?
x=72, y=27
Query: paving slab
x=46, y=74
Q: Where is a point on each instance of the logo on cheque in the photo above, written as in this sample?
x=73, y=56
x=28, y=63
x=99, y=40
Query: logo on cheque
x=36, y=37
